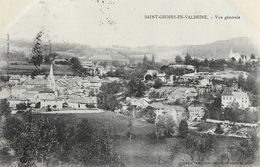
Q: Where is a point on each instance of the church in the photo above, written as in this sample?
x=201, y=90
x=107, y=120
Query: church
x=237, y=57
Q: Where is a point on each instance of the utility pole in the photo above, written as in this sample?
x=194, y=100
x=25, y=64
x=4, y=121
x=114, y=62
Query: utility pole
x=7, y=53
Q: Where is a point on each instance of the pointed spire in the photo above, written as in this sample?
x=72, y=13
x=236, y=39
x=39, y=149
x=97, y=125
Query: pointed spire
x=231, y=51
x=51, y=71
x=51, y=79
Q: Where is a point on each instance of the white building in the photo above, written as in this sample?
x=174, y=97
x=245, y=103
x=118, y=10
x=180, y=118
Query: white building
x=163, y=109
x=53, y=103
x=205, y=82
x=162, y=77
x=234, y=55
x=78, y=102
x=229, y=96
x=13, y=101
x=238, y=57
x=152, y=73
x=14, y=79
x=191, y=92
x=196, y=113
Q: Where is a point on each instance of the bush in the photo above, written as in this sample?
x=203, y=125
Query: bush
x=165, y=126
x=157, y=83
x=149, y=114
x=198, y=147
x=218, y=129
x=38, y=105
x=183, y=128
x=21, y=106
x=247, y=150
x=39, y=137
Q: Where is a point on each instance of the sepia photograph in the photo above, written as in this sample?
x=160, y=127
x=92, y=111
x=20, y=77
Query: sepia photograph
x=129, y=83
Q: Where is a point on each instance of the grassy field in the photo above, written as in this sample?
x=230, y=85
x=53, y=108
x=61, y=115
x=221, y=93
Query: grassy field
x=144, y=149
x=27, y=69
x=117, y=123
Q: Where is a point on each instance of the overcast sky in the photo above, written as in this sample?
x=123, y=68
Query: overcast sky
x=122, y=22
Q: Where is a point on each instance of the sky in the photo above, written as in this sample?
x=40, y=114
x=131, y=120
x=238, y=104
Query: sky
x=122, y=22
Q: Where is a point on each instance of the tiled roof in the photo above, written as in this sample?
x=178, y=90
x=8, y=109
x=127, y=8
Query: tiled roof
x=240, y=94
x=227, y=92
x=36, y=88
x=197, y=109
x=46, y=90
x=17, y=98
x=83, y=100
x=35, y=82
x=15, y=77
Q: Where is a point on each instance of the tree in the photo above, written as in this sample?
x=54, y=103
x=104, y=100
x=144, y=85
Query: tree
x=149, y=114
x=153, y=60
x=157, y=83
x=252, y=56
x=36, y=72
x=206, y=62
x=91, y=93
x=115, y=63
x=38, y=105
x=76, y=65
x=52, y=56
x=218, y=129
x=247, y=150
x=4, y=107
x=214, y=109
x=145, y=60
x=32, y=139
x=42, y=138
x=37, y=57
x=107, y=96
x=231, y=114
x=241, y=82
x=154, y=95
x=164, y=126
x=130, y=131
x=136, y=87
x=187, y=59
x=183, y=128
x=178, y=59
x=21, y=106
x=251, y=85
x=198, y=147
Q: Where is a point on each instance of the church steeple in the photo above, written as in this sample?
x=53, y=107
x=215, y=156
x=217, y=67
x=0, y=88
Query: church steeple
x=51, y=79
x=51, y=71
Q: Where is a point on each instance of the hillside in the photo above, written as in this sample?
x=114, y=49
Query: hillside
x=218, y=49
x=20, y=50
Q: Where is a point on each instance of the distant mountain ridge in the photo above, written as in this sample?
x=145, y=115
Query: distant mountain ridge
x=217, y=49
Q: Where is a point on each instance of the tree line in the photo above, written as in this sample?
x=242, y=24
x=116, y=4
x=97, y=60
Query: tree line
x=41, y=138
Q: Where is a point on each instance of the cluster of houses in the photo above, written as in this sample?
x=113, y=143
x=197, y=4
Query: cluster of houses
x=54, y=93
x=71, y=92
x=170, y=98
